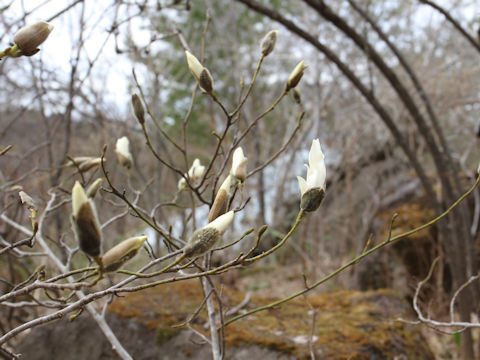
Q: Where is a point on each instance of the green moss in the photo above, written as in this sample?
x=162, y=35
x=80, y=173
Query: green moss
x=164, y=332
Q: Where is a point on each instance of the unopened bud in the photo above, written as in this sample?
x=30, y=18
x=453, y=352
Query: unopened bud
x=85, y=222
x=84, y=163
x=296, y=75
x=27, y=200
x=124, y=155
x=204, y=239
x=220, y=204
x=201, y=74
x=312, y=199
x=138, y=109
x=31, y=36
x=297, y=96
x=206, y=81
x=239, y=164
x=121, y=253
x=268, y=42
x=93, y=188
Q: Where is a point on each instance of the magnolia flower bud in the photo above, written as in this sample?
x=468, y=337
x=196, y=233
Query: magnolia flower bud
x=268, y=42
x=121, y=253
x=206, y=81
x=27, y=200
x=93, y=188
x=31, y=36
x=123, y=152
x=194, y=174
x=84, y=163
x=138, y=109
x=296, y=75
x=200, y=73
x=313, y=189
x=85, y=222
x=297, y=96
x=220, y=203
x=239, y=164
x=204, y=239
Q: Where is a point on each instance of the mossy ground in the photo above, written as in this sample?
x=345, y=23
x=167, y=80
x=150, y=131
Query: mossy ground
x=349, y=324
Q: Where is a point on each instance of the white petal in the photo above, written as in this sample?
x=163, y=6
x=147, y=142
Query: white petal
x=315, y=155
x=194, y=65
x=78, y=197
x=303, y=185
x=222, y=222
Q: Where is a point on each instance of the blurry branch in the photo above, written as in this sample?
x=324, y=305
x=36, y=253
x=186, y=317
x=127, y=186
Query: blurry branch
x=454, y=22
x=440, y=325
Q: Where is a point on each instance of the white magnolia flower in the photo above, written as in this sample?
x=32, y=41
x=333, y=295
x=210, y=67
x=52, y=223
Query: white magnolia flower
x=194, y=174
x=239, y=164
x=313, y=189
x=124, y=155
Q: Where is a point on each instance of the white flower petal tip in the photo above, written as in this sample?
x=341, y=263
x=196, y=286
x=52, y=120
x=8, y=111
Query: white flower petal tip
x=124, y=155
x=222, y=222
x=239, y=164
x=296, y=75
x=313, y=188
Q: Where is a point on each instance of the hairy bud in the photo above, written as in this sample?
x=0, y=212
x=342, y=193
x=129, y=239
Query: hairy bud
x=85, y=222
x=31, y=36
x=121, y=253
x=204, y=239
x=312, y=199
x=138, y=109
x=268, y=42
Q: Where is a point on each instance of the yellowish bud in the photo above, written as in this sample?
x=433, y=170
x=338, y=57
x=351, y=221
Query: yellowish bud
x=27, y=200
x=93, y=188
x=31, y=36
x=220, y=204
x=84, y=163
x=296, y=75
x=201, y=74
x=121, y=253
